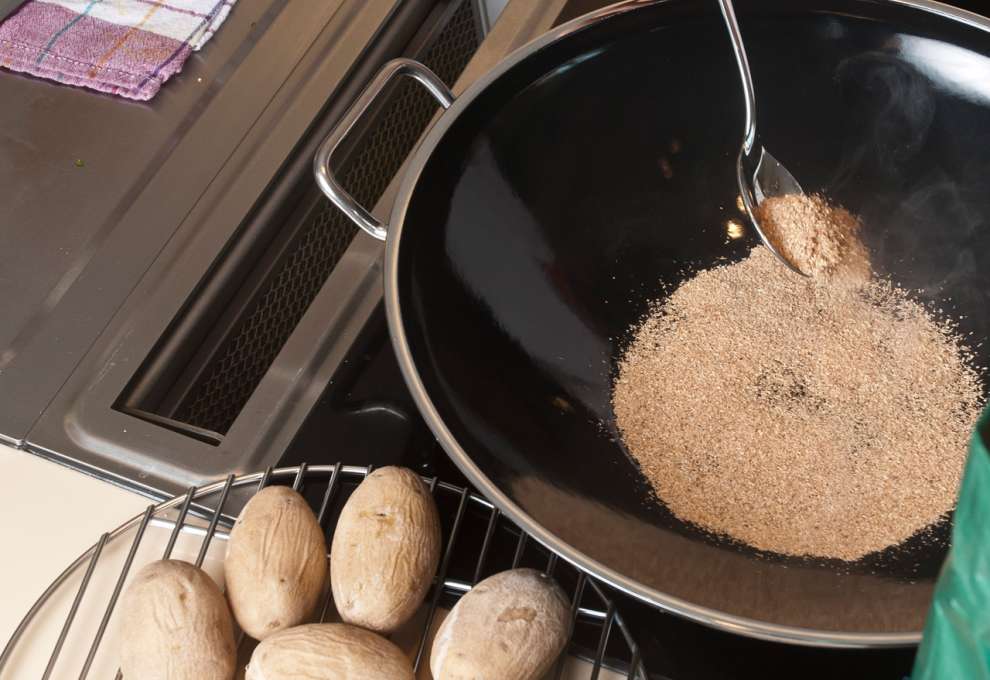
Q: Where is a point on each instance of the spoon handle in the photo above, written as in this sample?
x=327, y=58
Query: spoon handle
x=749, y=96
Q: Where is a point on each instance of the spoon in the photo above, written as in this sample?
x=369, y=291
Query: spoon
x=760, y=175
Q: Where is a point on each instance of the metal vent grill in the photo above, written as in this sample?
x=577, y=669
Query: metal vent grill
x=227, y=382
x=220, y=395
x=456, y=44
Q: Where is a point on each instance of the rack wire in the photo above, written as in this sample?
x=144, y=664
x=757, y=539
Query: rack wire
x=478, y=541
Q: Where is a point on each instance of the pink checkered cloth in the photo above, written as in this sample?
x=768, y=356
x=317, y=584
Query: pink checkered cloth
x=124, y=47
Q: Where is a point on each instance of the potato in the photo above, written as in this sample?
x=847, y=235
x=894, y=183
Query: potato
x=328, y=651
x=511, y=626
x=385, y=550
x=175, y=625
x=276, y=566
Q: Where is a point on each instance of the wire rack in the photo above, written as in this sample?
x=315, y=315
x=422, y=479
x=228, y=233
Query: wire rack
x=478, y=541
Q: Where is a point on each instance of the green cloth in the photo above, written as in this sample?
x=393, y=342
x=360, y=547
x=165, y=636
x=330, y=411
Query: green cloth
x=956, y=643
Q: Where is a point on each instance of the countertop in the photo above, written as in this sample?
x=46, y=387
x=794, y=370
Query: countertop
x=51, y=515
x=94, y=188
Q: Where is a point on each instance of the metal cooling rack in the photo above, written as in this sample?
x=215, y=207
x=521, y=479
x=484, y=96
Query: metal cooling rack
x=478, y=541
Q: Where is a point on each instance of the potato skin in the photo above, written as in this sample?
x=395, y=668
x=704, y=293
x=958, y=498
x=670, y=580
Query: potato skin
x=328, y=651
x=511, y=626
x=175, y=625
x=385, y=550
x=276, y=566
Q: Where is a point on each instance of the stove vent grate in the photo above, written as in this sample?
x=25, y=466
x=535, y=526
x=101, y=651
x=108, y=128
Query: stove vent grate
x=224, y=384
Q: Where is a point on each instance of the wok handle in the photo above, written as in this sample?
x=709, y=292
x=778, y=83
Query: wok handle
x=321, y=162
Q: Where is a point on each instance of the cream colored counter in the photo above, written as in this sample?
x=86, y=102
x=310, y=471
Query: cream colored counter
x=48, y=517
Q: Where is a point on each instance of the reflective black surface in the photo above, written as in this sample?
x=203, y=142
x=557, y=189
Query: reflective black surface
x=600, y=169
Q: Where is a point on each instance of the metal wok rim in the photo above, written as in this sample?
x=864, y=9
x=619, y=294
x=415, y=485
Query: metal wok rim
x=393, y=311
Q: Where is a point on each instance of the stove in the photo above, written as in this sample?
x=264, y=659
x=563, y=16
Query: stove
x=194, y=297
x=250, y=332
x=368, y=409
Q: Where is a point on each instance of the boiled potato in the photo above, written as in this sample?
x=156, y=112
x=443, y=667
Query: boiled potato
x=276, y=566
x=175, y=625
x=511, y=626
x=328, y=651
x=385, y=550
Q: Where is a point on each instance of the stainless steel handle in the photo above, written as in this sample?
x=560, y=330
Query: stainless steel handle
x=321, y=162
x=749, y=96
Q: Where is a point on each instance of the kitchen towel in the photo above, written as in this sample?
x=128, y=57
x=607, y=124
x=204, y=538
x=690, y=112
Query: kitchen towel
x=124, y=47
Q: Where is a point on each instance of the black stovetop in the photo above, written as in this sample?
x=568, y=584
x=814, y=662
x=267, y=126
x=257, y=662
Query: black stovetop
x=367, y=416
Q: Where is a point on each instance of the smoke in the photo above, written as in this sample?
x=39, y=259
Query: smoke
x=934, y=243
x=932, y=236
x=892, y=106
x=914, y=163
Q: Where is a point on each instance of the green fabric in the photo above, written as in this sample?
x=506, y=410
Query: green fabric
x=956, y=643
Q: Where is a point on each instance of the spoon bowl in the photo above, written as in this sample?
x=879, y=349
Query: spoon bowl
x=759, y=174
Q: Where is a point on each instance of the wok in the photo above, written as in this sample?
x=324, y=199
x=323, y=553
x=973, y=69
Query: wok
x=592, y=170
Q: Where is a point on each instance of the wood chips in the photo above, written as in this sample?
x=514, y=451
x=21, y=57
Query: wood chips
x=802, y=416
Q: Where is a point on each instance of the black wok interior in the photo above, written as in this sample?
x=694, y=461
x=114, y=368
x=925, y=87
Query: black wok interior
x=601, y=169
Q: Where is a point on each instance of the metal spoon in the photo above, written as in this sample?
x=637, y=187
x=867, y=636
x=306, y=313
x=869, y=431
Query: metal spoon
x=760, y=175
